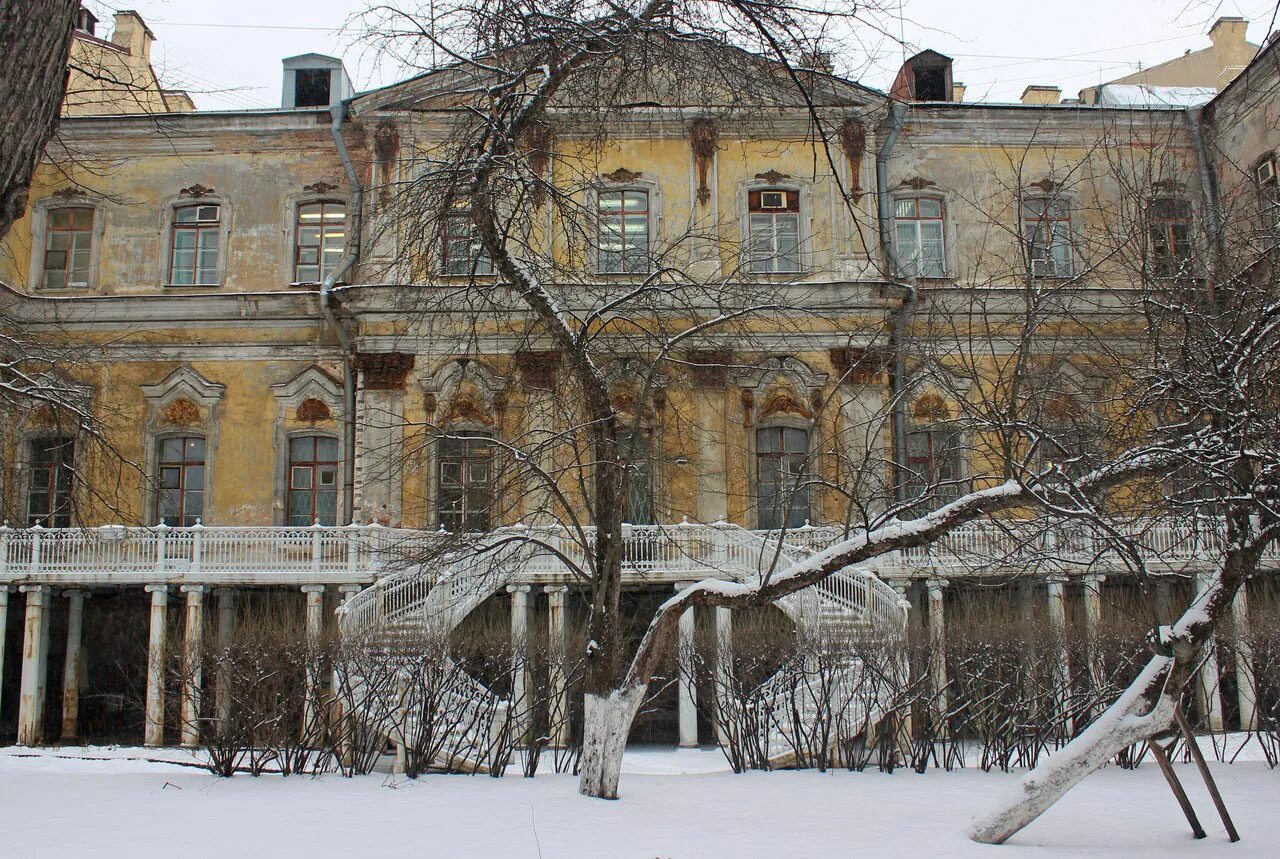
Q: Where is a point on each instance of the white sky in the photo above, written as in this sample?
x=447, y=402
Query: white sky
x=227, y=53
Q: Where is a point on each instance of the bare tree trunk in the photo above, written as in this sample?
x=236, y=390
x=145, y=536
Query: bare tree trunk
x=605, y=725
x=35, y=37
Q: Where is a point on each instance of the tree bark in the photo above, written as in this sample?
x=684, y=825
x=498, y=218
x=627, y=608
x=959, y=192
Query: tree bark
x=606, y=724
x=35, y=39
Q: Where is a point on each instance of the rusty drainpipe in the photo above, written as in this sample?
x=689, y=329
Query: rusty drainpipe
x=339, y=113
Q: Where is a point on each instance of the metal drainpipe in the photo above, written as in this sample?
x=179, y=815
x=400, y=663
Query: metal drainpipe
x=339, y=113
x=897, y=334
x=1209, y=185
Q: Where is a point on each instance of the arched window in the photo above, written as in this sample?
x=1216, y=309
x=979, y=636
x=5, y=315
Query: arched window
x=465, y=486
x=52, y=469
x=195, y=257
x=918, y=242
x=320, y=237
x=622, y=219
x=313, y=480
x=782, y=454
x=773, y=231
x=180, y=464
x=1169, y=231
x=68, y=248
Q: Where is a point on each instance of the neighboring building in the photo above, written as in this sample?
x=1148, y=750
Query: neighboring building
x=1216, y=66
x=115, y=76
x=190, y=271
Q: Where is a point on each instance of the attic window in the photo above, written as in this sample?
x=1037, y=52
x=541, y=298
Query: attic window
x=311, y=88
x=931, y=84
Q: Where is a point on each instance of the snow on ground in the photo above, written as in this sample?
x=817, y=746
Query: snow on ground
x=100, y=801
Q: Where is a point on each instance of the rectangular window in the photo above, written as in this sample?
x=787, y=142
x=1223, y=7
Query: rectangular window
x=1046, y=228
x=773, y=227
x=52, y=472
x=313, y=481
x=461, y=249
x=933, y=466
x=321, y=237
x=180, y=469
x=465, y=472
x=1269, y=192
x=918, y=238
x=1169, y=228
x=68, y=243
x=623, y=219
x=197, y=236
x=783, y=494
x=636, y=454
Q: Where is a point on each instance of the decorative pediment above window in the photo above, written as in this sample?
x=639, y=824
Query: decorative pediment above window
x=622, y=176
x=782, y=385
x=183, y=383
x=307, y=392
x=917, y=183
x=1046, y=186
x=321, y=187
x=196, y=191
x=67, y=193
x=930, y=408
x=1167, y=186
x=181, y=413
x=773, y=177
x=466, y=390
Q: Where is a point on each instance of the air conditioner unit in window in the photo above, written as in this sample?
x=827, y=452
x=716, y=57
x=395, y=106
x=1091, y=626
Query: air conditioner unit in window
x=773, y=199
x=1042, y=268
x=1267, y=172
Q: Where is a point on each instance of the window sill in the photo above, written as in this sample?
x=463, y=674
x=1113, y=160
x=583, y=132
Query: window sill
x=64, y=290
x=191, y=285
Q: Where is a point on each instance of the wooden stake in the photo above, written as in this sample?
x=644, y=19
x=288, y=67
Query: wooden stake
x=1171, y=777
x=1205, y=774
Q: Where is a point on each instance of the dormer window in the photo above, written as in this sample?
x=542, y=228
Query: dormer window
x=773, y=227
x=312, y=88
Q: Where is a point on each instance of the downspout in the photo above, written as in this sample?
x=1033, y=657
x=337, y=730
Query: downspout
x=1209, y=187
x=339, y=113
x=897, y=334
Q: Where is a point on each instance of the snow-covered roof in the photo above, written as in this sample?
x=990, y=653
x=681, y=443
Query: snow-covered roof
x=1145, y=95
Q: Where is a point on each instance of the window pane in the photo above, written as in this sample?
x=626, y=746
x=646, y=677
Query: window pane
x=302, y=448
x=194, y=477
x=930, y=208
x=795, y=439
x=300, y=477
x=326, y=449
x=185, y=215
x=905, y=209
x=637, y=201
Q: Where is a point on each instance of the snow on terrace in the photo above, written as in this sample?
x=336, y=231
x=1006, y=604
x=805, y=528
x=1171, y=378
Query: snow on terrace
x=673, y=805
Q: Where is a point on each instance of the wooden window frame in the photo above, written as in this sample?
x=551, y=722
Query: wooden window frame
x=643, y=265
x=1044, y=224
x=1171, y=264
x=912, y=268
x=771, y=262
x=314, y=463
x=198, y=228
x=478, y=263
x=322, y=270
x=182, y=465
x=781, y=513
x=476, y=446
x=50, y=231
x=61, y=501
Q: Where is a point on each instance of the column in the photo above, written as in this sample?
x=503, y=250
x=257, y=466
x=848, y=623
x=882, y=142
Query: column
x=520, y=656
x=937, y=641
x=1245, y=681
x=1092, y=595
x=687, y=688
x=315, y=630
x=153, y=733
x=724, y=666
x=4, y=632
x=556, y=596
x=71, y=666
x=711, y=475
x=905, y=730
x=1055, y=586
x=226, y=628
x=193, y=675
x=34, y=655
x=1208, y=695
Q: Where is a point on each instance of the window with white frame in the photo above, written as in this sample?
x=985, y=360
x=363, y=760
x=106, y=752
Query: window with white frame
x=68, y=248
x=918, y=242
x=195, y=256
x=320, y=237
x=1169, y=231
x=180, y=469
x=623, y=231
x=51, y=472
x=465, y=481
x=1046, y=229
x=782, y=454
x=461, y=251
x=1267, y=175
x=773, y=227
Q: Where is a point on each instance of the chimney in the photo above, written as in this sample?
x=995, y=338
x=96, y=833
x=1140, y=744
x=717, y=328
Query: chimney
x=1036, y=94
x=957, y=92
x=1228, y=32
x=86, y=21
x=314, y=81
x=132, y=32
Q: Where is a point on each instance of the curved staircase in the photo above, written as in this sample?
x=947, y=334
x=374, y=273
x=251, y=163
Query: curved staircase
x=419, y=602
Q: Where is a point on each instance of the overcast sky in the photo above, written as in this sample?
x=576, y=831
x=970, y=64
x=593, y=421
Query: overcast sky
x=228, y=53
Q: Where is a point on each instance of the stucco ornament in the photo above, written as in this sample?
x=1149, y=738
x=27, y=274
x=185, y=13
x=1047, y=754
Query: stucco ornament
x=182, y=413
x=313, y=411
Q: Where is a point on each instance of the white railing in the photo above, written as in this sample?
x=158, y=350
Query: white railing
x=363, y=553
